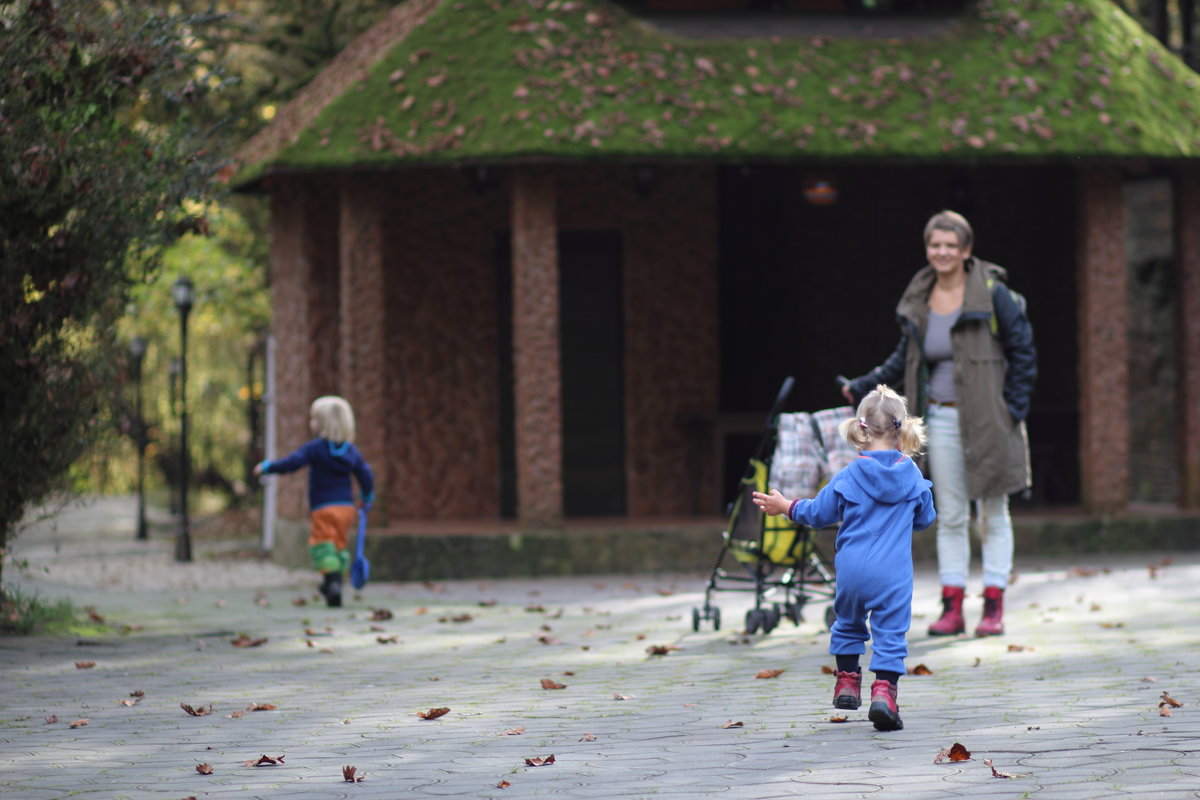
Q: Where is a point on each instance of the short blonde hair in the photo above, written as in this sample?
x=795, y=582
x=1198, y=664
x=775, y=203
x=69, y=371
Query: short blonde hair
x=953, y=222
x=334, y=418
x=884, y=413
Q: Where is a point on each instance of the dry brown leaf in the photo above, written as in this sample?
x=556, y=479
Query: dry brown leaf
x=137, y=693
x=197, y=711
x=503, y=785
x=538, y=761
x=535, y=609
x=1112, y=624
x=79, y=723
x=619, y=696
x=731, y=724
x=84, y=664
x=433, y=713
x=1149, y=679
x=1164, y=711
x=261, y=707
x=247, y=641
x=204, y=769
x=1170, y=701
x=837, y=718
x=52, y=719
x=387, y=639
x=515, y=731
x=236, y=714
x=955, y=752
x=987, y=762
x=769, y=673
x=588, y=737
x=547, y=683
x=660, y=649
x=920, y=669
x=264, y=761
x=1018, y=648
x=382, y=614
x=349, y=776
x=130, y=703
x=827, y=670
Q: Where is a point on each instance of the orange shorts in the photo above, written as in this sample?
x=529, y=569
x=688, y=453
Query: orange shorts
x=332, y=524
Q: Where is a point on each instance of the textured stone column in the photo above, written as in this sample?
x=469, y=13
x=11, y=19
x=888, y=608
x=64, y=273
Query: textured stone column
x=1187, y=332
x=362, y=349
x=1103, y=341
x=303, y=265
x=536, y=367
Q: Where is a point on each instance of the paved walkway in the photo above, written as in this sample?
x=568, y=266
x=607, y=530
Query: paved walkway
x=1067, y=703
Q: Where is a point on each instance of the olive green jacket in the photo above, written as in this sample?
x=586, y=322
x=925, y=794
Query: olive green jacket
x=993, y=374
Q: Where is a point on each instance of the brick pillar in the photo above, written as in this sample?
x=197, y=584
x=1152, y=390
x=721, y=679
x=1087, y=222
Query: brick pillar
x=1103, y=341
x=362, y=348
x=536, y=369
x=1187, y=332
x=303, y=264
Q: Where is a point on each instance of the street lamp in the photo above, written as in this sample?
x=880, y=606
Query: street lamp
x=184, y=295
x=137, y=351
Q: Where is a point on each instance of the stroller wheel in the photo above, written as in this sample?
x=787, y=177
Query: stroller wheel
x=695, y=619
x=770, y=618
x=754, y=620
x=793, y=612
x=716, y=618
x=830, y=616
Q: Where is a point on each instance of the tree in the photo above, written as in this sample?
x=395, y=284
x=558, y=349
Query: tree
x=99, y=163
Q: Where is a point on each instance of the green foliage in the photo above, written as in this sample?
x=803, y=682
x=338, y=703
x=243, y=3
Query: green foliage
x=103, y=167
x=583, y=79
x=23, y=614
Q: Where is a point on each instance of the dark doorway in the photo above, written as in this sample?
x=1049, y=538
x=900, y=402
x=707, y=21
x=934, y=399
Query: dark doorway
x=592, y=326
x=591, y=320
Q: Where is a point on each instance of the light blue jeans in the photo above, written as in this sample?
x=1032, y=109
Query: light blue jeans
x=948, y=472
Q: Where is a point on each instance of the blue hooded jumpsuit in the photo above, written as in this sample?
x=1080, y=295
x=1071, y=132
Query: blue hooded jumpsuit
x=880, y=498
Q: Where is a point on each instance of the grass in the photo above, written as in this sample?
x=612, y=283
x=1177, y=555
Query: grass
x=24, y=615
x=581, y=79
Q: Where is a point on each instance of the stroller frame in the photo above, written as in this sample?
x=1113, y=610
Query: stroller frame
x=762, y=545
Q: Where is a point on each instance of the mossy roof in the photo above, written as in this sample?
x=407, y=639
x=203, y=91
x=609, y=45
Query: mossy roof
x=445, y=81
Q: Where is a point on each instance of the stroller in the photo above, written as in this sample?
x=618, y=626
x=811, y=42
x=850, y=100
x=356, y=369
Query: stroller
x=781, y=561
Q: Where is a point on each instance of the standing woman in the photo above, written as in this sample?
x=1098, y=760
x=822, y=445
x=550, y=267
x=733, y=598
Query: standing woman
x=967, y=363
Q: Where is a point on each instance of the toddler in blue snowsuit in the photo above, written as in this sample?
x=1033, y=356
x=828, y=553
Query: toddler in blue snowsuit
x=880, y=498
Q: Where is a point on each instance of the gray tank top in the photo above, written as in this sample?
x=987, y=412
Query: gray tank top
x=940, y=356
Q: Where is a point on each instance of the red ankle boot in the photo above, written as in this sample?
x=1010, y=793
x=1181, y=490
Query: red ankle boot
x=884, y=712
x=846, y=690
x=951, y=622
x=992, y=623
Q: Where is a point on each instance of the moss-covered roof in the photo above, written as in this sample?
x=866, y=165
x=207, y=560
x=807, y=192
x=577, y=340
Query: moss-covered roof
x=486, y=80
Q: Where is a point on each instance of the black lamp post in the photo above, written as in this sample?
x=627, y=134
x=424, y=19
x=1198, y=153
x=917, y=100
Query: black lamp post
x=184, y=295
x=137, y=351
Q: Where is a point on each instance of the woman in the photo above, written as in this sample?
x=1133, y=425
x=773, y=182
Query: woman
x=967, y=362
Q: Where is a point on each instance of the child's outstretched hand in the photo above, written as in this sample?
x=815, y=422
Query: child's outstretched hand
x=773, y=503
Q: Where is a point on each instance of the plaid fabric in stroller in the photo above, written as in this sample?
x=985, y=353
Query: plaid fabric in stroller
x=809, y=451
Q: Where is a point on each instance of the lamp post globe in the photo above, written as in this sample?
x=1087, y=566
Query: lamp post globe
x=183, y=292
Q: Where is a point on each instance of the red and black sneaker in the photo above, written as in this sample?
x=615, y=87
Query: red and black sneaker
x=846, y=690
x=884, y=712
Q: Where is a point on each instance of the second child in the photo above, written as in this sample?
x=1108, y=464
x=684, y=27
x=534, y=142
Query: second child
x=880, y=498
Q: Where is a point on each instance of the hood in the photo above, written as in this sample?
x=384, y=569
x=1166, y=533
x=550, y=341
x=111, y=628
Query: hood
x=885, y=476
x=914, y=301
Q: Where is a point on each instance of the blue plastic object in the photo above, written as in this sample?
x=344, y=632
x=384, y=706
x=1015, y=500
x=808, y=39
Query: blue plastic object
x=360, y=568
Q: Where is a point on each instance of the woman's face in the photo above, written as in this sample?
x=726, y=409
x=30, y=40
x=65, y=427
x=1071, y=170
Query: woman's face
x=944, y=252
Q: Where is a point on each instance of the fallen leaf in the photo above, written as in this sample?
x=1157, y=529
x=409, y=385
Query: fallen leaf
x=955, y=752
x=920, y=669
x=433, y=713
x=1163, y=711
x=261, y=707
x=264, y=761
x=137, y=693
x=987, y=762
x=1018, y=648
x=827, y=670
x=204, y=769
x=198, y=711
x=84, y=664
x=660, y=649
x=1149, y=679
x=618, y=696
x=547, y=683
x=130, y=703
x=1112, y=624
x=349, y=777
x=236, y=714
x=246, y=641
x=588, y=737
x=1170, y=701
x=381, y=614
x=387, y=639
x=837, y=719
x=731, y=724
x=79, y=723
x=538, y=761
x=769, y=673
x=52, y=719
x=515, y=731
x=978, y=661
x=503, y=785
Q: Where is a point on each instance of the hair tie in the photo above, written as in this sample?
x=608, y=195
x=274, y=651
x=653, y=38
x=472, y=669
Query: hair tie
x=862, y=423
x=896, y=423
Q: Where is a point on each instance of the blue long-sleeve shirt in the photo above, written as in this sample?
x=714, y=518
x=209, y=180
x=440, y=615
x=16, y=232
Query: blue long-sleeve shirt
x=330, y=466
